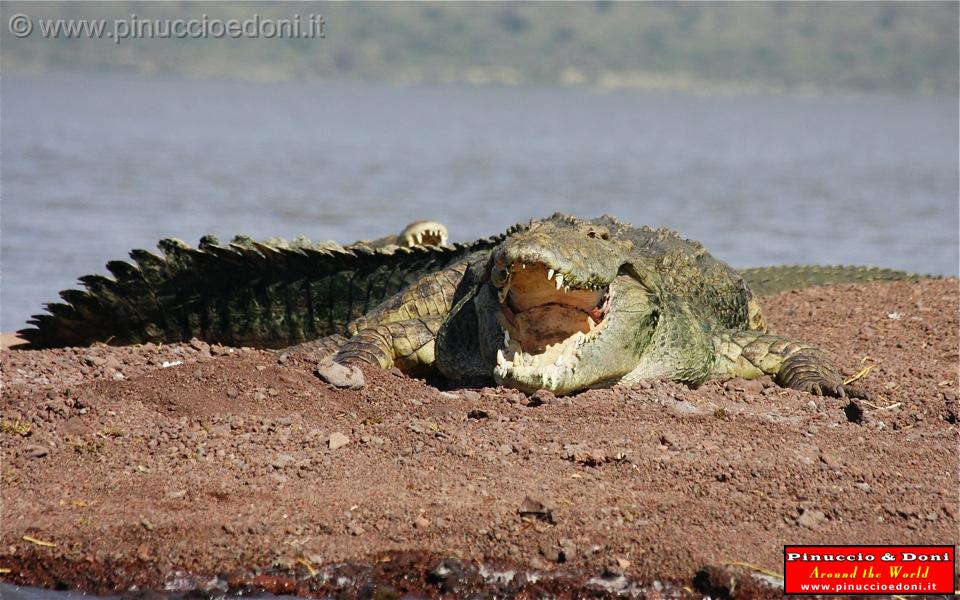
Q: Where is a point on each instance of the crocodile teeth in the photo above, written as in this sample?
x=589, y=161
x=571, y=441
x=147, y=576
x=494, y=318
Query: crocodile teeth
x=506, y=337
x=516, y=358
x=420, y=238
x=592, y=324
x=550, y=274
x=559, y=280
x=501, y=359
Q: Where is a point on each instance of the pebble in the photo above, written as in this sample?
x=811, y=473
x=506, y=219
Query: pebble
x=354, y=528
x=421, y=522
x=739, y=384
x=341, y=376
x=36, y=451
x=281, y=461
x=811, y=519
x=337, y=440
x=541, y=397
x=531, y=508
x=94, y=361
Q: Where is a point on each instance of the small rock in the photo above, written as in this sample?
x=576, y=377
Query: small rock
x=767, y=382
x=421, y=522
x=341, y=376
x=623, y=563
x=94, y=361
x=541, y=397
x=505, y=449
x=534, y=509
x=143, y=552
x=739, y=384
x=568, y=549
x=478, y=413
x=176, y=494
x=854, y=412
x=354, y=528
x=550, y=552
x=232, y=392
x=811, y=519
x=36, y=451
x=281, y=461
x=199, y=345
x=829, y=460
x=470, y=395
x=337, y=440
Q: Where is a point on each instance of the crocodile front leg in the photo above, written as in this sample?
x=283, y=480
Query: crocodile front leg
x=408, y=345
x=792, y=364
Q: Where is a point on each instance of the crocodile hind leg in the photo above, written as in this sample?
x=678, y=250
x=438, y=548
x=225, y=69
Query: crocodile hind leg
x=407, y=345
x=318, y=349
x=792, y=364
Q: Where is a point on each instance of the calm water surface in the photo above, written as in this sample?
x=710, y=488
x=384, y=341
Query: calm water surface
x=95, y=165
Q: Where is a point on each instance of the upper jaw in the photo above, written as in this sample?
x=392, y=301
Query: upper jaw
x=558, y=270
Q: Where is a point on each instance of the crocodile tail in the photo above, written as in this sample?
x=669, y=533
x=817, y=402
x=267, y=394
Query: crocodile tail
x=765, y=281
x=245, y=293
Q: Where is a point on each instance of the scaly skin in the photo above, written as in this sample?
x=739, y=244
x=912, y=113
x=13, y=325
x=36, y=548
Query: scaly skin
x=628, y=304
x=567, y=304
x=271, y=294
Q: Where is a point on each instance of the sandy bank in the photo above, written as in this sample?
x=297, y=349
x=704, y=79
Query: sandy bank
x=140, y=463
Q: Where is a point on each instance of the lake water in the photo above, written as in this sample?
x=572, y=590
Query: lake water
x=94, y=165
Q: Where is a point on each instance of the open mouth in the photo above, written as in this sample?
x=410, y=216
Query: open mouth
x=431, y=237
x=546, y=315
x=427, y=237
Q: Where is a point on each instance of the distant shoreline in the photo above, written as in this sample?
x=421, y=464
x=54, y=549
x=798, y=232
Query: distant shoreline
x=613, y=82
x=609, y=82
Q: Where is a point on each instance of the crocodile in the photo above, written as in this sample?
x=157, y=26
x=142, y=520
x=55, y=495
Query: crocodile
x=562, y=304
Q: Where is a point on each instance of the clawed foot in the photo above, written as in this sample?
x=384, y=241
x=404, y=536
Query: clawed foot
x=809, y=370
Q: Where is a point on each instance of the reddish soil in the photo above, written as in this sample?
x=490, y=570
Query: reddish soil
x=140, y=475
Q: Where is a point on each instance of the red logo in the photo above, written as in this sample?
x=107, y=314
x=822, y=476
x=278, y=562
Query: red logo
x=897, y=570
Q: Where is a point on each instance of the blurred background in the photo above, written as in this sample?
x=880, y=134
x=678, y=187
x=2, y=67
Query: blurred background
x=773, y=132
